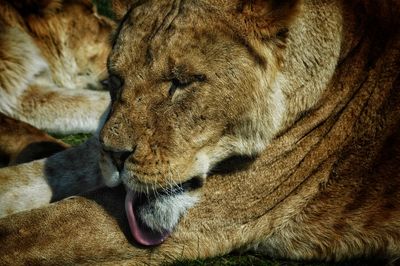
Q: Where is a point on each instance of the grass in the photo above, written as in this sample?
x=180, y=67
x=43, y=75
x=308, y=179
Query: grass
x=74, y=139
x=244, y=260
x=260, y=260
x=232, y=260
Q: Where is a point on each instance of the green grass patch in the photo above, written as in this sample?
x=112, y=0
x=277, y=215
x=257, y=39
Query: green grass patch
x=260, y=260
x=75, y=139
x=240, y=260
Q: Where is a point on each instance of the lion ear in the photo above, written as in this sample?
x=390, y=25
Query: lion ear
x=267, y=18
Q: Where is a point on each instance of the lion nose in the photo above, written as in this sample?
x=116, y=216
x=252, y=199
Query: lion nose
x=119, y=158
x=117, y=154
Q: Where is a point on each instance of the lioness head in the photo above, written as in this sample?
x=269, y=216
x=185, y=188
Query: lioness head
x=192, y=83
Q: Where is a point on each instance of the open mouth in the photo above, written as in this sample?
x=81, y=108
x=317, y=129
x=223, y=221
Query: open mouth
x=134, y=200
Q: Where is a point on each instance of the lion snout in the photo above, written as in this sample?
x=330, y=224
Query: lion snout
x=118, y=158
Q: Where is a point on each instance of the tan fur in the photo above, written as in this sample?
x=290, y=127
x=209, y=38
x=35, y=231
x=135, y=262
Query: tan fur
x=326, y=187
x=53, y=48
x=21, y=143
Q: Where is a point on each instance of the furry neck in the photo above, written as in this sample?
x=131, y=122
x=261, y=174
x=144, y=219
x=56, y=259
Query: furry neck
x=310, y=59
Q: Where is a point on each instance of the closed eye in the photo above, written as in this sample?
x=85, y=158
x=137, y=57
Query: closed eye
x=184, y=83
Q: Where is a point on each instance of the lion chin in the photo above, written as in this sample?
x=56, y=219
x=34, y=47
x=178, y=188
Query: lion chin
x=152, y=213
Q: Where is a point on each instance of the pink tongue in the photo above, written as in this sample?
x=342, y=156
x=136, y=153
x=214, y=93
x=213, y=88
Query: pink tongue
x=142, y=234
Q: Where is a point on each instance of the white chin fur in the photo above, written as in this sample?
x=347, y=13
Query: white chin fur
x=163, y=213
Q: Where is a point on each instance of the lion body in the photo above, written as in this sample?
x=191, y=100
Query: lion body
x=326, y=187
x=45, y=68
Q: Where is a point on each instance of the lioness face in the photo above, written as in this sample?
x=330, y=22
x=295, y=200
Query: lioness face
x=188, y=90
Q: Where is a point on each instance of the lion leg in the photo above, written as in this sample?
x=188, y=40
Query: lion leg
x=21, y=142
x=60, y=110
x=35, y=184
x=101, y=235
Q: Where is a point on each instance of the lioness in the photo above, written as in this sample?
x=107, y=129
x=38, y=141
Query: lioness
x=309, y=90
x=50, y=50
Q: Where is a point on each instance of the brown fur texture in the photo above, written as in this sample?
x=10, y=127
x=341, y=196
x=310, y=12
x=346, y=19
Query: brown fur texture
x=326, y=187
x=21, y=142
x=51, y=53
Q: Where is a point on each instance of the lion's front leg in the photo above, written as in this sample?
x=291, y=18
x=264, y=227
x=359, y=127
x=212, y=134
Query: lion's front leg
x=32, y=185
x=94, y=230
x=59, y=110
